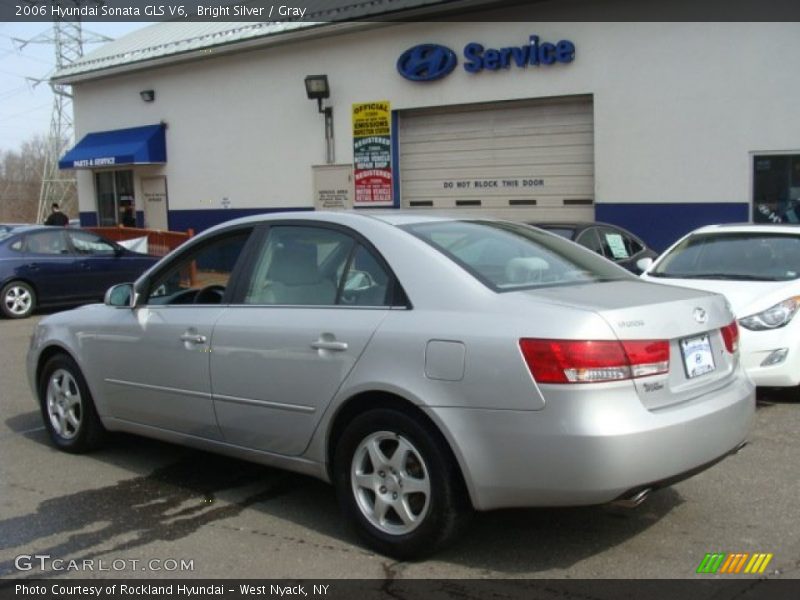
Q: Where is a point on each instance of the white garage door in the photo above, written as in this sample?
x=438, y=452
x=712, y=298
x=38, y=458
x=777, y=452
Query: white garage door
x=518, y=160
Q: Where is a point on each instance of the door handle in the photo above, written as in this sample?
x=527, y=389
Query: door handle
x=193, y=338
x=329, y=345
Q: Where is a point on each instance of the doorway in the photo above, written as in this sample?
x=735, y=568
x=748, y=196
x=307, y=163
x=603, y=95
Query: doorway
x=115, y=198
x=776, y=188
x=154, y=190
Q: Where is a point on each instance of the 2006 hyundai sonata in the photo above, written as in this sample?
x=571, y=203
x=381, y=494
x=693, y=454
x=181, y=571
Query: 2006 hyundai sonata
x=425, y=366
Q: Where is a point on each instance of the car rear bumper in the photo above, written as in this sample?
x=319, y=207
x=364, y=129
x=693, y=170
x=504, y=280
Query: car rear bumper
x=592, y=447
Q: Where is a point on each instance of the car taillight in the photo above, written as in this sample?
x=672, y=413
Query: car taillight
x=730, y=335
x=592, y=361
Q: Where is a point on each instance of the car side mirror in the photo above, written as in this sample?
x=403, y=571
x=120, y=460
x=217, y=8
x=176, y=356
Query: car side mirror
x=644, y=263
x=120, y=295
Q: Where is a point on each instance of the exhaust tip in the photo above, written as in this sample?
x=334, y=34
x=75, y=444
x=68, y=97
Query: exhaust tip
x=633, y=500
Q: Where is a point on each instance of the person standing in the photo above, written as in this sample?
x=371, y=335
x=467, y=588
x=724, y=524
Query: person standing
x=128, y=218
x=56, y=217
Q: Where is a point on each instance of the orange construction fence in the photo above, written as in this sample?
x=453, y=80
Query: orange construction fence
x=159, y=243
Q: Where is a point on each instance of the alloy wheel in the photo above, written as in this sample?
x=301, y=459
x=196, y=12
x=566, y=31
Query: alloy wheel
x=64, y=405
x=18, y=300
x=391, y=482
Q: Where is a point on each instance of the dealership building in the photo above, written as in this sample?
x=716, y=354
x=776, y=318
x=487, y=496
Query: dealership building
x=658, y=127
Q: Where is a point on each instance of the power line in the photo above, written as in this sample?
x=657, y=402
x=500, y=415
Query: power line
x=13, y=92
x=18, y=54
x=34, y=58
x=68, y=39
x=24, y=112
x=13, y=74
x=13, y=127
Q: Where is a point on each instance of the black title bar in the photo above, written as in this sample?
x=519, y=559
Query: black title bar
x=321, y=11
x=414, y=589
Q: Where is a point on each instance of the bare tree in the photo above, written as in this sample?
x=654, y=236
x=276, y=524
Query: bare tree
x=21, y=180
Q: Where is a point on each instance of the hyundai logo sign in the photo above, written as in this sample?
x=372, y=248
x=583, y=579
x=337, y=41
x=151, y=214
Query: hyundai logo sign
x=426, y=62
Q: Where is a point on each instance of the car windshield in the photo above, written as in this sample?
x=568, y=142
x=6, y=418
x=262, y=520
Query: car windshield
x=740, y=256
x=509, y=256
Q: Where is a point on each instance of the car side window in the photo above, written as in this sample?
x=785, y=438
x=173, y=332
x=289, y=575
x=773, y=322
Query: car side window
x=300, y=265
x=636, y=246
x=588, y=239
x=47, y=242
x=200, y=276
x=90, y=244
x=366, y=282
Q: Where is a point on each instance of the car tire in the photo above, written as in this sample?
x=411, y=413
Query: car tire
x=67, y=407
x=17, y=300
x=403, y=505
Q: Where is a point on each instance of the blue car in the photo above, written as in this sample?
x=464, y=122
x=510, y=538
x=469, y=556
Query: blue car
x=49, y=266
x=4, y=227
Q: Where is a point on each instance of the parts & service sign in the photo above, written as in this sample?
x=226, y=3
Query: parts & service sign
x=372, y=154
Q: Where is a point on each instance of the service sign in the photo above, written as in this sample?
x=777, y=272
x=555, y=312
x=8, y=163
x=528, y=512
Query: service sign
x=430, y=62
x=372, y=154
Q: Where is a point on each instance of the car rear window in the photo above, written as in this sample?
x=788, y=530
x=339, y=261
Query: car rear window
x=509, y=256
x=741, y=256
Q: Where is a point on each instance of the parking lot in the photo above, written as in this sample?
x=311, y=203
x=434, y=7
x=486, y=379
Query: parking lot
x=141, y=508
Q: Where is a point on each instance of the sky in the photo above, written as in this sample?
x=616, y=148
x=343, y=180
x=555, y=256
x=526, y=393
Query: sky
x=25, y=108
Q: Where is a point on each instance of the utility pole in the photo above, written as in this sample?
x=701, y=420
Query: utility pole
x=68, y=39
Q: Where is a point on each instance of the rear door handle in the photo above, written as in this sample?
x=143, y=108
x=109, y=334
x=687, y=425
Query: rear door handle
x=193, y=338
x=329, y=345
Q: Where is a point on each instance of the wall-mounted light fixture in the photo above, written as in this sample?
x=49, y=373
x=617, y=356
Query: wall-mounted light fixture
x=317, y=88
x=147, y=95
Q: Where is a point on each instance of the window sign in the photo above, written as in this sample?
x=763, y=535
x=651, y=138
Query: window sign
x=372, y=154
x=617, y=245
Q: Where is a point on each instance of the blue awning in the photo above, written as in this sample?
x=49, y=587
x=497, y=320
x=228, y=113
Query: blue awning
x=133, y=146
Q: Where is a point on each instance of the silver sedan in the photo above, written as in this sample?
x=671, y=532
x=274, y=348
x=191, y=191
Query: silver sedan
x=425, y=366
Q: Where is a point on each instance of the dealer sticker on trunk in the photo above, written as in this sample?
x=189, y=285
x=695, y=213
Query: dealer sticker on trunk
x=697, y=356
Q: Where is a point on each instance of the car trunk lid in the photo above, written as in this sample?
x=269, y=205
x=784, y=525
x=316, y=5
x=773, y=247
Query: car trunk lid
x=691, y=321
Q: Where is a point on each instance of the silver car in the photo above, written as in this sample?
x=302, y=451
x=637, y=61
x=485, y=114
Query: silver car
x=424, y=366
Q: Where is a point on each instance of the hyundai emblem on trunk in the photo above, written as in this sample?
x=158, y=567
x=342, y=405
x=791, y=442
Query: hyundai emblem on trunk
x=700, y=315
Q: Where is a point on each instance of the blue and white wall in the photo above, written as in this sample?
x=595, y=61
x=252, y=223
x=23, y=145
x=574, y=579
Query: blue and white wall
x=679, y=111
